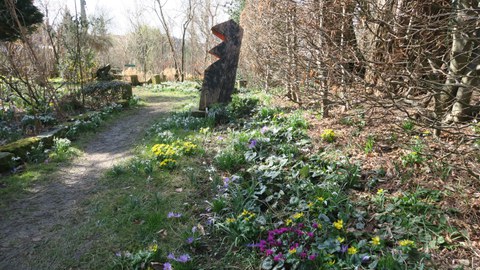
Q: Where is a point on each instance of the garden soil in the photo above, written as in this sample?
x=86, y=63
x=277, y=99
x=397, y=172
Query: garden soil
x=29, y=224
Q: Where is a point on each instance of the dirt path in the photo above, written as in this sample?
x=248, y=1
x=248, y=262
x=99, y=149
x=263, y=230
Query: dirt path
x=28, y=224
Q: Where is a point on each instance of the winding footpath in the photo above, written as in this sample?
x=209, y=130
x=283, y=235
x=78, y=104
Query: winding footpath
x=28, y=224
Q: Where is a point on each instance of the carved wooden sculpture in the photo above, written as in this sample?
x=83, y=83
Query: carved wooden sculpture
x=219, y=79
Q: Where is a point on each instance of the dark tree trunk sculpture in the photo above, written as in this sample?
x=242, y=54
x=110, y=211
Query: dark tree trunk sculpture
x=219, y=78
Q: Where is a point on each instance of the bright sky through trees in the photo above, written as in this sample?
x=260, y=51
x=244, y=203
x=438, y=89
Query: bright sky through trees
x=120, y=12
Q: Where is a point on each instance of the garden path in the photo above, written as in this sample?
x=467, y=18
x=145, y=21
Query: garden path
x=28, y=224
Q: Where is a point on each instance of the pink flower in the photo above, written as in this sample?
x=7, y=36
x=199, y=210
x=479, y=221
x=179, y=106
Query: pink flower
x=278, y=257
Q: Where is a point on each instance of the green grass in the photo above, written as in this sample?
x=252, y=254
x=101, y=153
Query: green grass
x=13, y=186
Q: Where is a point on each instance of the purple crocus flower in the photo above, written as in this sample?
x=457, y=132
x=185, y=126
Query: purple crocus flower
x=312, y=257
x=268, y=252
x=190, y=240
x=183, y=258
x=264, y=129
x=167, y=266
x=252, y=143
x=365, y=259
x=174, y=215
x=344, y=248
x=226, y=182
x=171, y=256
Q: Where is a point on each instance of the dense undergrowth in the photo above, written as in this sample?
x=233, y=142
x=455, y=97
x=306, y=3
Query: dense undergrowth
x=248, y=190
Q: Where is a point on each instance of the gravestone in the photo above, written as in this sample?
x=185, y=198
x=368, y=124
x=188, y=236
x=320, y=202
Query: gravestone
x=219, y=79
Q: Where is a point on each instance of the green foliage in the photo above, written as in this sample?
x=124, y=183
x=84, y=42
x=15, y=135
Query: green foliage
x=91, y=121
x=235, y=8
x=28, y=15
x=476, y=127
x=37, y=154
x=408, y=125
x=415, y=156
x=62, y=150
x=230, y=160
x=241, y=107
x=369, y=144
x=297, y=121
x=8, y=133
x=414, y=216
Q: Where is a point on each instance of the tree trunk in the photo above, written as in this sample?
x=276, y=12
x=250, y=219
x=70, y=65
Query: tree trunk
x=464, y=58
x=164, y=23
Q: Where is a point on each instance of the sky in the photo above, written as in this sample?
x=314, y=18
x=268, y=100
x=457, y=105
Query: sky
x=119, y=11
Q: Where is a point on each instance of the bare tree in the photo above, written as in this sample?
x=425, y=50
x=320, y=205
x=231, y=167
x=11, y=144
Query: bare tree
x=159, y=11
x=189, y=15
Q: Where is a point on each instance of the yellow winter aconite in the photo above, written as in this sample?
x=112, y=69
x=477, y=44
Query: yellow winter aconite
x=406, y=243
x=230, y=220
x=188, y=147
x=288, y=221
x=292, y=251
x=154, y=247
x=380, y=191
x=163, y=150
x=352, y=250
x=168, y=162
x=298, y=215
x=247, y=215
x=341, y=239
x=338, y=224
x=375, y=241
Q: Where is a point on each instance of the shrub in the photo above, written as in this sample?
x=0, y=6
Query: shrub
x=106, y=92
x=242, y=107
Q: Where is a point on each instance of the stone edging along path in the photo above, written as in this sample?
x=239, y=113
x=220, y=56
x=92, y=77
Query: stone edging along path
x=27, y=225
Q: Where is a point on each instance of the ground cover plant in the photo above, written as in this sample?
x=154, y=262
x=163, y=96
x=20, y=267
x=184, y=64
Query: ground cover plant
x=261, y=193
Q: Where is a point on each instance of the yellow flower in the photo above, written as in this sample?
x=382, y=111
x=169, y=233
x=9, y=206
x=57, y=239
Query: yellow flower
x=168, y=162
x=320, y=199
x=406, y=243
x=298, y=215
x=341, y=239
x=375, y=241
x=380, y=191
x=154, y=247
x=310, y=205
x=332, y=262
x=230, y=220
x=288, y=221
x=352, y=250
x=246, y=213
x=292, y=250
x=338, y=224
